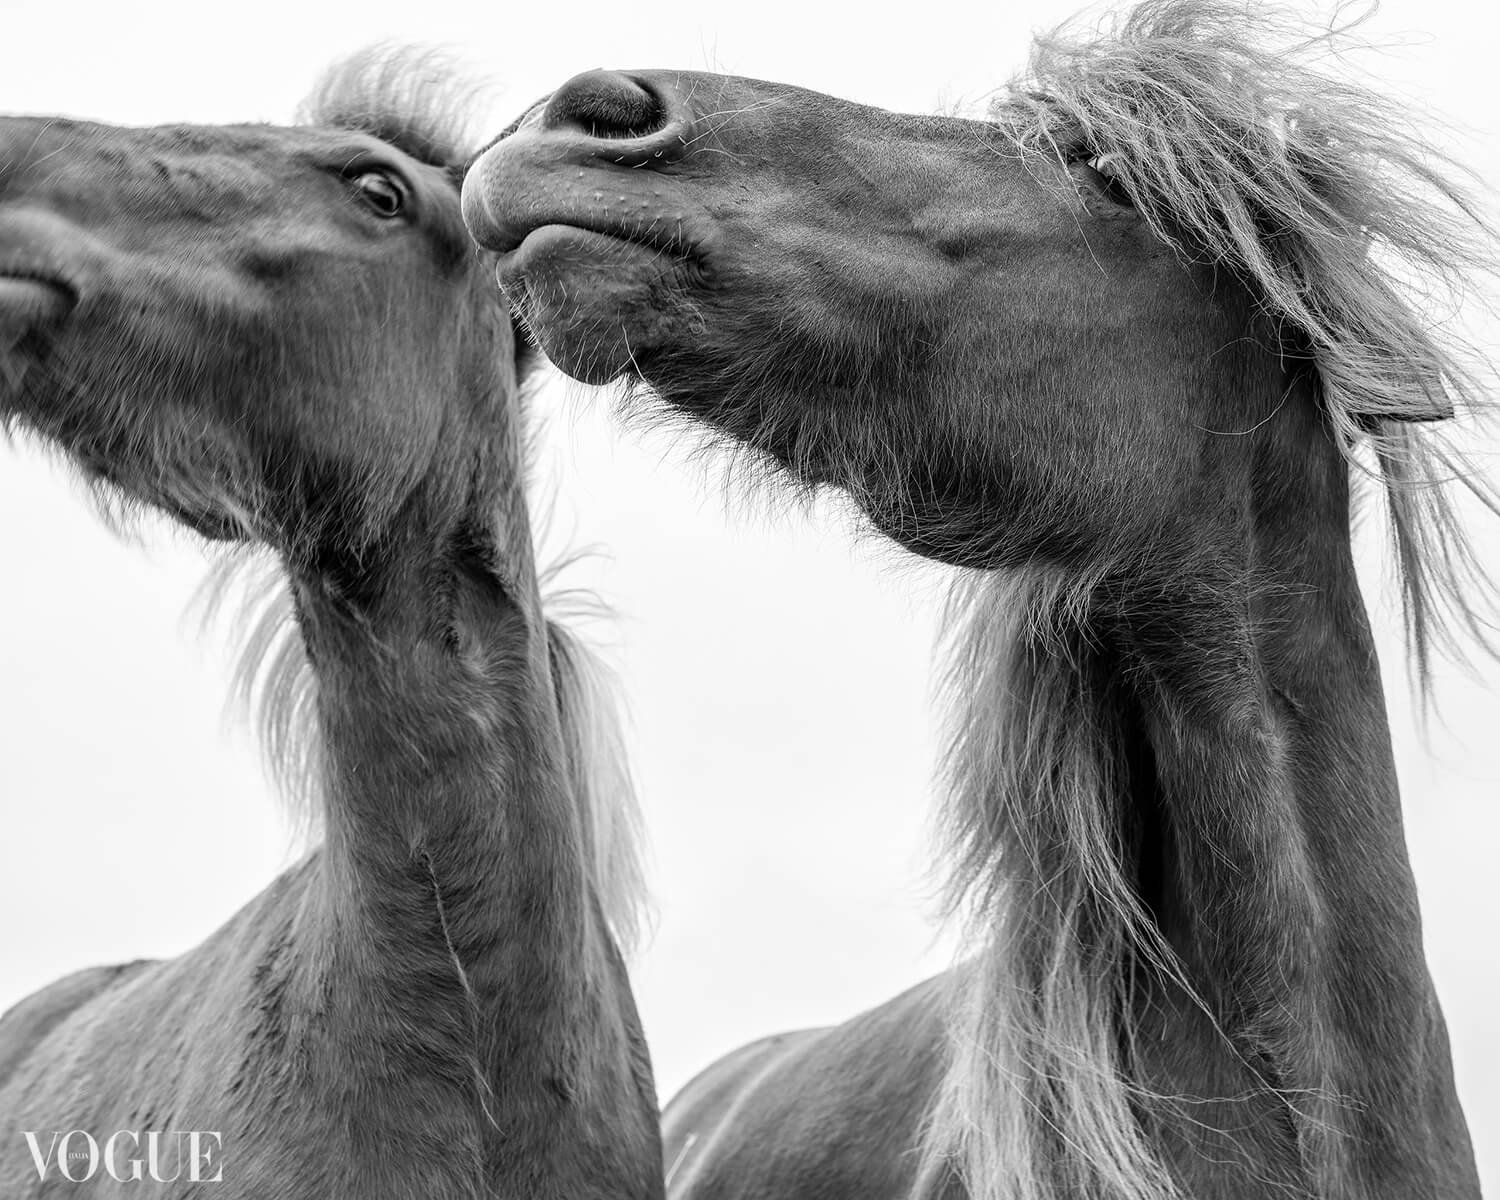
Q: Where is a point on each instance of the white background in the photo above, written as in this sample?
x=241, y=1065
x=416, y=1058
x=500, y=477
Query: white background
x=777, y=675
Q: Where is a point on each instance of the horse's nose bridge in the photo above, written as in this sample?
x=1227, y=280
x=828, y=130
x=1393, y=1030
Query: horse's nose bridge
x=50, y=158
x=27, y=143
x=633, y=118
x=93, y=172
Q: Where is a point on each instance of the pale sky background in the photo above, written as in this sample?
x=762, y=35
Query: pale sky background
x=777, y=675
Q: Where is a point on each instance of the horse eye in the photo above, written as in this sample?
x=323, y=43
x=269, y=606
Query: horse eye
x=1107, y=181
x=381, y=193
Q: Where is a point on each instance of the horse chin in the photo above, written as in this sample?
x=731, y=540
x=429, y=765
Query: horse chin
x=599, y=305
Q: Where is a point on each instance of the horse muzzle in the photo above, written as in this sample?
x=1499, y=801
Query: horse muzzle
x=591, y=158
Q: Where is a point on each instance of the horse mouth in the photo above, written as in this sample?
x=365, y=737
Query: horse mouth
x=26, y=291
x=524, y=212
x=30, y=305
x=30, y=302
x=552, y=242
x=654, y=237
x=593, y=258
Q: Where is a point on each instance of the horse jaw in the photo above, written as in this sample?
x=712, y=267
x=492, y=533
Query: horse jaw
x=597, y=305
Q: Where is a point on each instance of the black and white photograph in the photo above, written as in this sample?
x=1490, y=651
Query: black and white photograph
x=750, y=602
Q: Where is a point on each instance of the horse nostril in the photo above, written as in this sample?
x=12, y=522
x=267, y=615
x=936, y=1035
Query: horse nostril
x=606, y=105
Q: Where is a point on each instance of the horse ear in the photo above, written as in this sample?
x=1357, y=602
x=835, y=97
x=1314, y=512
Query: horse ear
x=1437, y=406
x=1442, y=411
x=1370, y=422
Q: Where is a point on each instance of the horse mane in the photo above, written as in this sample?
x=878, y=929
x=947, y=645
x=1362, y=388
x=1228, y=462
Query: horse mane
x=1323, y=199
x=1239, y=146
x=1037, y=1102
x=589, y=703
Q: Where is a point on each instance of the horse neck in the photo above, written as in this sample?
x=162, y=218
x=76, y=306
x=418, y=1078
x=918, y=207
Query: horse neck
x=1174, y=797
x=1261, y=827
x=443, y=754
x=457, y=928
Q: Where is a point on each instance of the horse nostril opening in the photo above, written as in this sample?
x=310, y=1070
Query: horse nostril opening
x=607, y=105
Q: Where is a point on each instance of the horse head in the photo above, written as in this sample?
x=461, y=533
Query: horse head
x=849, y=291
x=233, y=323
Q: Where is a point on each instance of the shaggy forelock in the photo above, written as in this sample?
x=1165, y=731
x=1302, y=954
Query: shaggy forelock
x=416, y=98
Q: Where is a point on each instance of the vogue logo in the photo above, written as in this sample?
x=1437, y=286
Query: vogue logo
x=78, y=1156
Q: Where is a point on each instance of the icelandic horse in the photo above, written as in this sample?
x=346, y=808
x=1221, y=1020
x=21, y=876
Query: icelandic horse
x=1118, y=353
x=283, y=337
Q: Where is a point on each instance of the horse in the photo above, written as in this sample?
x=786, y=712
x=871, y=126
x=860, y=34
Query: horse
x=283, y=338
x=1120, y=355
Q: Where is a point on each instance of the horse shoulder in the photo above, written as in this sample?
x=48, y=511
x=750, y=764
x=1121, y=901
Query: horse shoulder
x=97, y=1037
x=27, y=1023
x=830, y=1113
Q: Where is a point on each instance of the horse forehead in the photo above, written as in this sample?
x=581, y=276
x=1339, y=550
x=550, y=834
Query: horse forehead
x=263, y=145
x=228, y=154
x=731, y=106
x=238, y=157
